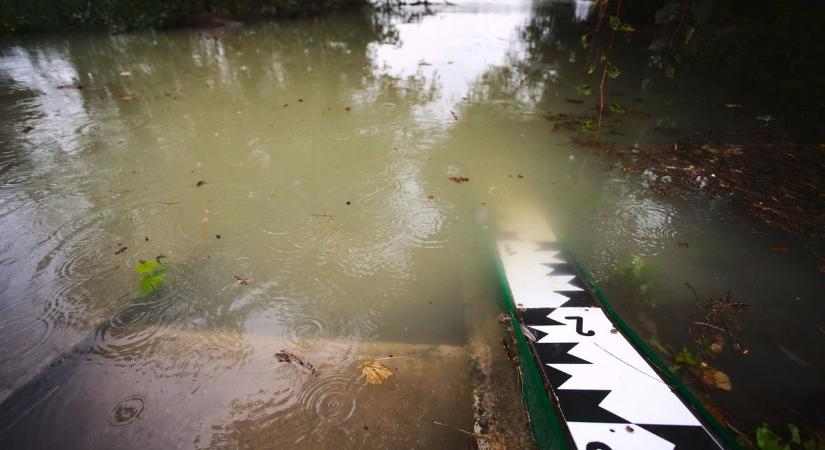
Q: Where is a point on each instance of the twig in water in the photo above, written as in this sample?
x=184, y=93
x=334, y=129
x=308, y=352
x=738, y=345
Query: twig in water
x=470, y=433
x=710, y=326
x=292, y=358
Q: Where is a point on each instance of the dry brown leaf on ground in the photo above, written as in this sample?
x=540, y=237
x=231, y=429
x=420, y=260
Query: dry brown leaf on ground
x=375, y=372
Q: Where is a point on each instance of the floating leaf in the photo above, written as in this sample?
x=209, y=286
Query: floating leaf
x=657, y=44
x=716, y=378
x=767, y=439
x=146, y=266
x=151, y=282
x=584, y=89
x=657, y=344
x=375, y=372
x=584, y=42
x=795, y=436
x=617, y=24
x=613, y=71
x=670, y=71
x=686, y=357
x=617, y=108
x=689, y=34
x=668, y=13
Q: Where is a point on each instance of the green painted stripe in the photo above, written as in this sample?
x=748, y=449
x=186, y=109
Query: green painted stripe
x=641, y=346
x=544, y=422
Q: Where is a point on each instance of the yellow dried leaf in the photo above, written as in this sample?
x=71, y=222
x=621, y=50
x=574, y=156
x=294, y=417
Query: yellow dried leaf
x=716, y=378
x=375, y=372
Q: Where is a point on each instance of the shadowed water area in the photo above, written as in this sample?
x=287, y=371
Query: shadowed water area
x=293, y=178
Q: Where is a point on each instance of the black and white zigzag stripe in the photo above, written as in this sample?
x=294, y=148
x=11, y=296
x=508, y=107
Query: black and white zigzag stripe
x=610, y=397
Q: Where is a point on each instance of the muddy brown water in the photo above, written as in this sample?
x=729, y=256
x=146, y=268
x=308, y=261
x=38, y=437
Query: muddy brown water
x=313, y=158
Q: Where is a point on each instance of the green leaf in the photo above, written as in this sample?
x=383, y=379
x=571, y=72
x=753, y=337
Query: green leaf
x=584, y=41
x=151, y=282
x=686, y=357
x=616, y=108
x=617, y=25
x=766, y=439
x=584, y=89
x=657, y=45
x=587, y=125
x=146, y=266
x=657, y=344
x=689, y=34
x=613, y=71
x=668, y=13
x=795, y=437
x=590, y=69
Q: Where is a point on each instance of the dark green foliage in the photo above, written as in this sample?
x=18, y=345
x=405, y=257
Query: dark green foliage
x=773, y=46
x=20, y=16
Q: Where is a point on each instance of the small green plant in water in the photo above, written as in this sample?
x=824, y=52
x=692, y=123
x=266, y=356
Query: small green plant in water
x=766, y=439
x=638, y=276
x=154, y=274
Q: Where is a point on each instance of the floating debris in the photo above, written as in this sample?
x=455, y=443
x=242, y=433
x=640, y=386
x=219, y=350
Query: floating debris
x=528, y=334
x=292, y=358
x=328, y=216
x=200, y=183
x=485, y=437
x=375, y=372
x=121, y=250
x=715, y=378
x=719, y=317
x=127, y=411
x=243, y=281
x=459, y=180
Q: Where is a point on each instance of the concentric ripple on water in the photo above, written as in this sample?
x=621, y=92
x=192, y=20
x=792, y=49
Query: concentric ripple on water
x=330, y=396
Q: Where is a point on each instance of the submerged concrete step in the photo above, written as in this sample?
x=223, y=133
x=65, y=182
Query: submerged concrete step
x=214, y=389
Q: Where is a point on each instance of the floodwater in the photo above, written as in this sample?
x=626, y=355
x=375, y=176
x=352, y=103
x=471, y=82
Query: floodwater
x=293, y=180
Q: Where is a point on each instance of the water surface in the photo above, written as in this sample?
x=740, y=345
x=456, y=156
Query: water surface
x=312, y=158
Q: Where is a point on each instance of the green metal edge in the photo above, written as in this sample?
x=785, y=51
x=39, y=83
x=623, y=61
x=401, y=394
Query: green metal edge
x=544, y=422
x=675, y=381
